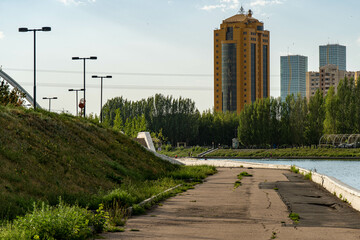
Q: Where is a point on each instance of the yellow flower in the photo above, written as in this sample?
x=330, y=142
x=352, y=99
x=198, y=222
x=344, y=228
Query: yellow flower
x=36, y=237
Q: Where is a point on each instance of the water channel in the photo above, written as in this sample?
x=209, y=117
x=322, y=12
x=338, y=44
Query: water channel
x=346, y=171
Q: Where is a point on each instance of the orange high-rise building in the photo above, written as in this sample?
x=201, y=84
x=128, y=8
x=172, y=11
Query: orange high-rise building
x=241, y=62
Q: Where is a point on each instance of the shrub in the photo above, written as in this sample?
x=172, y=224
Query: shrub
x=168, y=147
x=60, y=222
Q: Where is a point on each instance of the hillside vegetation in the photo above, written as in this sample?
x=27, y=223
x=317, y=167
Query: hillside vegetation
x=45, y=156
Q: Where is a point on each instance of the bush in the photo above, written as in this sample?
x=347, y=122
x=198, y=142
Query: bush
x=168, y=147
x=60, y=222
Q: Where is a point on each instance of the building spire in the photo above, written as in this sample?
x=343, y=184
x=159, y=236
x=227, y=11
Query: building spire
x=241, y=11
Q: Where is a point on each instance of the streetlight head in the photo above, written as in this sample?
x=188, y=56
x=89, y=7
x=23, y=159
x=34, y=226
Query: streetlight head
x=46, y=29
x=94, y=76
x=108, y=76
x=82, y=89
x=75, y=58
x=45, y=98
x=70, y=90
x=54, y=97
x=23, y=29
x=93, y=58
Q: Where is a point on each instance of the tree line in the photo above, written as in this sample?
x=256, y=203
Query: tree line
x=268, y=122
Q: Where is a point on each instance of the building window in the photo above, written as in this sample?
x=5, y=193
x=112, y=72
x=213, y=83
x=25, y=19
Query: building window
x=244, y=38
x=245, y=83
x=244, y=89
x=216, y=34
x=217, y=45
x=217, y=62
x=245, y=33
x=217, y=85
x=244, y=50
x=253, y=72
x=245, y=101
x=229, y=33
x=244, y=61
x=217, y=90
x=244, y=66
x=217, y=40
x=244, y=44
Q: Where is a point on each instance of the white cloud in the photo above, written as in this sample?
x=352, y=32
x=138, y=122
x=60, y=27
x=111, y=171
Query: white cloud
x=223, y=5
x=76, y=2
x=357, y=40
x=2, y=35
x=263, y=3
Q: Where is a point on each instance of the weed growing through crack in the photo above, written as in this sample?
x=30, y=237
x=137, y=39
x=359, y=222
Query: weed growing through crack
x=245, y=174
x=295, y=217
x=308, y=176
x=294, y=169
x=273, y=236
x=237, y=184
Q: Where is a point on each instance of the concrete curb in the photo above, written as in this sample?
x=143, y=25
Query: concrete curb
x=130, y=209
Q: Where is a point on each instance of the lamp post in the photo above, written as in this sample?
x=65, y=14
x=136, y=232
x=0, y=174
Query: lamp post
x=84, y=59
x=43, y=29
x=101, y=95
x=76, y=103
x=49, y=98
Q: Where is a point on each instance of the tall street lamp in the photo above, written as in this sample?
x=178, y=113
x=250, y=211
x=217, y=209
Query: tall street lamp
x=101, y=95
x=49, y=98
x=84, y=59
x=76, y=103
x=43, y=29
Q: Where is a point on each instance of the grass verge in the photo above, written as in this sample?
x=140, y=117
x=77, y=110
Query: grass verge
x=288, y=152
x=64, y=221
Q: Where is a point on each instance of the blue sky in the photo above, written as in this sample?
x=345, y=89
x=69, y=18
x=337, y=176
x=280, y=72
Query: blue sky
x=171, y=38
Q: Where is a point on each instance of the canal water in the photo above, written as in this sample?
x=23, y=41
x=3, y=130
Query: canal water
x=346, y=171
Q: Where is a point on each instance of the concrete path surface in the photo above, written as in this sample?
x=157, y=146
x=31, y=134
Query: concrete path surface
x=254, y=210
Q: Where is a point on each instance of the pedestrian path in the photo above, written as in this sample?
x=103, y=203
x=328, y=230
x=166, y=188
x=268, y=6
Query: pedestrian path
x=217, y=210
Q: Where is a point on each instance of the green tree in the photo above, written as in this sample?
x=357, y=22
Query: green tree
x=7, y=96
x=315, y=119
x=331, y=111
x=118, y=122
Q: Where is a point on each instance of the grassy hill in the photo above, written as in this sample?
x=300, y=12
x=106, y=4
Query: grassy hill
x=44, y=156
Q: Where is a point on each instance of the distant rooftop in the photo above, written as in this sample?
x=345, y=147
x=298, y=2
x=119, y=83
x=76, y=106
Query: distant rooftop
x=241, y=17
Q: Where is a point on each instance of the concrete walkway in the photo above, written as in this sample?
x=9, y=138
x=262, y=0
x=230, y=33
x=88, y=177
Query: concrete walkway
x=254, y=210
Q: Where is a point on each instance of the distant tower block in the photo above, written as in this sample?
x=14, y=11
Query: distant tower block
x=333, y=54
x=241, y=62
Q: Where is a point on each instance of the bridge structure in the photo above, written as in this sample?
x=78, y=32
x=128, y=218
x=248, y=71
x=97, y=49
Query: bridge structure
x=14, y=84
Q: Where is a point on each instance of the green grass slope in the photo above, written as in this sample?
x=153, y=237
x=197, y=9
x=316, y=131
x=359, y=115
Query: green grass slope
x=44, y=156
